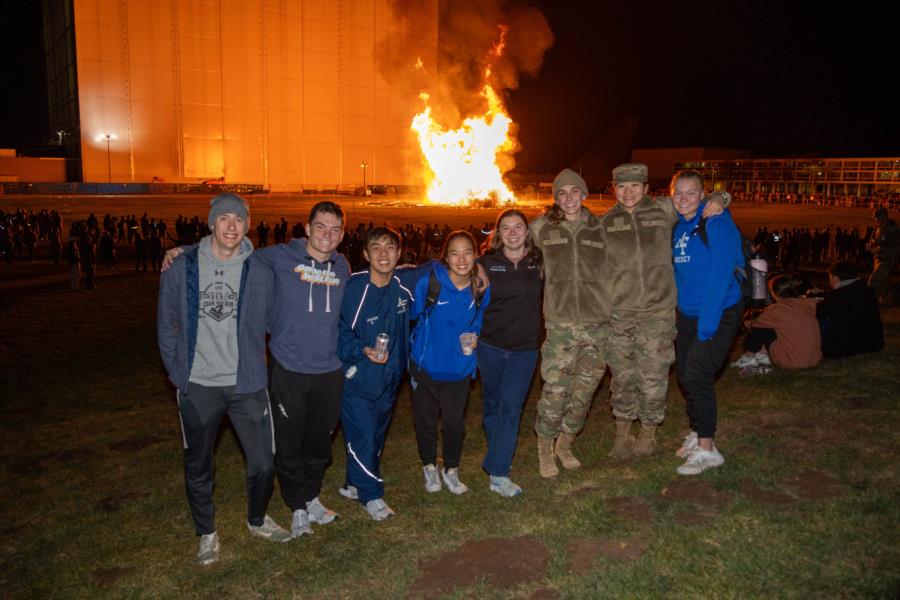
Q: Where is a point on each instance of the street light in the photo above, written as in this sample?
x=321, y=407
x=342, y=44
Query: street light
x=364, y=164
x=108, y=137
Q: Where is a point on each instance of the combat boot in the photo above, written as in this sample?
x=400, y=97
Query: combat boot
x=564, y=451
x=646, y=442
x=624, y=441
x=546, y=460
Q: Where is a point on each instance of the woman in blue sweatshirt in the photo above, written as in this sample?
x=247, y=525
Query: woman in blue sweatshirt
x=447, y=306
x=706, y=254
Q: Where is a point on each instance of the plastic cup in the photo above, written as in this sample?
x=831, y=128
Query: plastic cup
x=467, y=342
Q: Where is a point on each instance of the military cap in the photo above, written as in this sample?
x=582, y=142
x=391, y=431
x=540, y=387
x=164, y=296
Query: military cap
x=630, y=172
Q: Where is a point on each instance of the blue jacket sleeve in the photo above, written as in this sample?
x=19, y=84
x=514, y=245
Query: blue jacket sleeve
x=723, y=237
x=421, y=294
x=350, y=347
x=168, y=319
x=479, y=316
x=410, y=276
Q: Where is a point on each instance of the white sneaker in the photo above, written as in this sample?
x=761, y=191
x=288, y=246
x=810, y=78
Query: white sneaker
x=209, y=549
x=270, y=530
x=318, y=514
x=688, y=445
x=504, y=486
x=451, y=480
x=746, y=360
x=432, y=481
x=350, y=492
x=300, y=523
x=700, y=460
x=378, y=509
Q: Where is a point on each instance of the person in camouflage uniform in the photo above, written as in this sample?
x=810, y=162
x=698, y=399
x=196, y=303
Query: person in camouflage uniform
x=638, y=281
x=886, y=248
x=573, y=356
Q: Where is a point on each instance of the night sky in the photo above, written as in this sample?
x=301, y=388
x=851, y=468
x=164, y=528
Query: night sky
x=771, y=77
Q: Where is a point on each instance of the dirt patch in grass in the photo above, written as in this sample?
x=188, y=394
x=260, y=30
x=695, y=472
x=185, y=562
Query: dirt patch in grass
x=136, y=444
x=544, y=593
x=116, y=501
x=699, y=493
x=106, y=578
x=585, y=489
x=762, y=496
x=36, y=465
x=813, y=485
x=631, y=508
x=583, y=552
x=505, y=562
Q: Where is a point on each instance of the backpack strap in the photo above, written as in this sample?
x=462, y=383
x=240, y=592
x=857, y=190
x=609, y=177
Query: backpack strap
x=434, y=290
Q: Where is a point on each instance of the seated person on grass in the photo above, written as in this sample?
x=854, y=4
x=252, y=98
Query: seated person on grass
x=848, y=314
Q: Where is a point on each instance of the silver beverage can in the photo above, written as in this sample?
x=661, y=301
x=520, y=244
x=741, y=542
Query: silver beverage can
x=381, y=345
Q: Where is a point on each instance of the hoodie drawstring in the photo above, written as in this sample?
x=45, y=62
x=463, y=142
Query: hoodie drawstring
x=312, y=263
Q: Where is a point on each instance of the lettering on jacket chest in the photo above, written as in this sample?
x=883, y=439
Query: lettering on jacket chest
x=311, y=274
x=402, y=305
x=680, y=246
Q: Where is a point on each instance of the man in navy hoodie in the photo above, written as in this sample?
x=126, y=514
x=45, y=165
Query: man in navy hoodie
x=211, y=326
x=376, y=301
x=306, y=378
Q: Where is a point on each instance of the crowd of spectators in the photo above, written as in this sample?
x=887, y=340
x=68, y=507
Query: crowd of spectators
x=888, y=201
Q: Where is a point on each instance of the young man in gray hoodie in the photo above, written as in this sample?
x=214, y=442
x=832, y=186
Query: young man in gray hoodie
x=211, y=326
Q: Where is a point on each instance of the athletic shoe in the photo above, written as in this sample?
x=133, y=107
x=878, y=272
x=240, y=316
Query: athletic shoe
x=209, y=549
x=270, y=530
x=300, y=523
x=350, y=492
x=701, y=460
x=378, y=509
x=432, y=481
x=451, y=480
x=318, y=514
x=757, y=370
x=504, y=486
x=688, y=445
x=746, y=360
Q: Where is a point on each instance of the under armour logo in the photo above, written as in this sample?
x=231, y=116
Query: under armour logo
x=218, y=272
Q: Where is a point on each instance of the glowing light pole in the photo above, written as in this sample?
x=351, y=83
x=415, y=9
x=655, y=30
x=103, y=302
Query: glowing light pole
x=364, y=164
x=108, y=137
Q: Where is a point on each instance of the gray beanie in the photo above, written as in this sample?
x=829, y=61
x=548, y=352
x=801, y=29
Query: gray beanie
x=229, y=202
x=569, y=177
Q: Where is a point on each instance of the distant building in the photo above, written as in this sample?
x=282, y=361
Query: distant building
x=289, y=94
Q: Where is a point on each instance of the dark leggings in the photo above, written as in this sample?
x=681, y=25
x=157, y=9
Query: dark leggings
x=759, y=337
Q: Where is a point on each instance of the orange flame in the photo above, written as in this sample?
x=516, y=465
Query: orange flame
x=461, y=165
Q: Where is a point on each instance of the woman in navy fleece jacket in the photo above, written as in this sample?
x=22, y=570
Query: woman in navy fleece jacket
x=706, y=253
x=439, y=371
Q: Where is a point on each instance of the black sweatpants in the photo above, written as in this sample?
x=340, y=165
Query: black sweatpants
x=432, y=400
x=201, y=410
x=759, y=337
x=698, y=362
x=306, y=410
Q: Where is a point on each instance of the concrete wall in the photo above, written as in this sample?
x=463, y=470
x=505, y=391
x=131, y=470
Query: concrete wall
x=32, y=169
x=286, y=93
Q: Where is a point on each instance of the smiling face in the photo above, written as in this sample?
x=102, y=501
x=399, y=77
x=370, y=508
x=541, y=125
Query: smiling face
x=569, y=198
x=687, y=194
x=460, y=256
x=325, y=232
x=382, y=254
x=513, y=232
x=228, y=233
x=629, y=193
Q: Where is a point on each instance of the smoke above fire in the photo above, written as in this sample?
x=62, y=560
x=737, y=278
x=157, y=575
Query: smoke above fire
x=471, y=53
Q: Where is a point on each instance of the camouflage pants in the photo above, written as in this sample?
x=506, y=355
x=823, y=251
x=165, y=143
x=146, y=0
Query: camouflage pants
x=640, y=354
x=573, y=361
x=878, y=280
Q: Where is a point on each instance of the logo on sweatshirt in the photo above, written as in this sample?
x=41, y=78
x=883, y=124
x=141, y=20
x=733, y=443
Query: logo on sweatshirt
x=218, y=301
x=681, y=244
x=310, y=274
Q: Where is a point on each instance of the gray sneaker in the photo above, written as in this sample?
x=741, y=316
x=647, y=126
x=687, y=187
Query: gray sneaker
x=504, y=486
x=209, y=549
x=700, y=460
x=350, y=492
x=688, y=445
x=378, y=509
x=270, y=530
x=318, y=514
x=300, y=523
x=432, y=481
x=451, y=480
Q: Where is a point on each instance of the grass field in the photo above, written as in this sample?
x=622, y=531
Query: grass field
x=806, y=505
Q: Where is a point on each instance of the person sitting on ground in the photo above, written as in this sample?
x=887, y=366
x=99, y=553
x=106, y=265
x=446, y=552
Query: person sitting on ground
x=848, y=316
x=786, y=332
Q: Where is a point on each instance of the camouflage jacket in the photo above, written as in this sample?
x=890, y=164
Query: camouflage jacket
x=637, y=274
x=573, y=253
